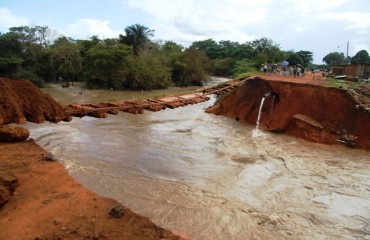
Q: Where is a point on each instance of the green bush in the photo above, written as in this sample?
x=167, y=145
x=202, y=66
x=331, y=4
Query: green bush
x=191, y=68
x=223, y=67
x=244, y=67
x=146, y=73
x=28, y=75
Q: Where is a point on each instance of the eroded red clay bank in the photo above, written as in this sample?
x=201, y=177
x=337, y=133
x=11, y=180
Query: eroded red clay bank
x=315, y=113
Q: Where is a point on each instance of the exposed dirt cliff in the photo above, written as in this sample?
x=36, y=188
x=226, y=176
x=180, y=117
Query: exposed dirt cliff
x=38, y=199
x=315, y=113
x=22, y=101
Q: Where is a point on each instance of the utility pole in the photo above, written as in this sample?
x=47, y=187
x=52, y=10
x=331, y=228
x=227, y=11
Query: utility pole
x=347, y=48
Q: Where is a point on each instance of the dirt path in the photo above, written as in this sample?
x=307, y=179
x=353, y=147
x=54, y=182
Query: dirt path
x=309, y=78
x=49, y=204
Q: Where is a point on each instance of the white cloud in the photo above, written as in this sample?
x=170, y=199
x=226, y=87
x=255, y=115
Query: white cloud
x=186, y=21
x=7, y=20
x=353, y=20
x=313, y=6
x=313, y=25
x=86, y=28
x=359, y=44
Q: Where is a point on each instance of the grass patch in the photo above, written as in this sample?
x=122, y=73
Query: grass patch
x=246, y=74
x=336, y=83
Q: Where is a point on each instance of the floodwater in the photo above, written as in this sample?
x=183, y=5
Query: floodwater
x=211, y=177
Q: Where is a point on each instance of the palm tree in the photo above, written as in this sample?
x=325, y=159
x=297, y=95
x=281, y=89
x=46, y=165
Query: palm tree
x=136, y=36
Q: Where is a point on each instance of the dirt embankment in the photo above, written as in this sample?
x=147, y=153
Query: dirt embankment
x=22, y=101
x=38, y=199
x=315, y=113
x=49, y=204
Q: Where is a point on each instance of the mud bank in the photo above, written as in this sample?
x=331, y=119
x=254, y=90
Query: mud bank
x=22, y=101
x=312, y=112
x=38, y=199
x=49, y=204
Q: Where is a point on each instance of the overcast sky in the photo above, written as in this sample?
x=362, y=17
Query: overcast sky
x=319, y=26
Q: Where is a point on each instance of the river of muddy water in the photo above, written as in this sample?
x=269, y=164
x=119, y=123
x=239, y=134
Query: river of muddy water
x=211, y=177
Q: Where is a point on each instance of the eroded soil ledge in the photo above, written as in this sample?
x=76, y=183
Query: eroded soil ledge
x=21, y=101
x=316, y=113
x=38, y=199
x=49, y=204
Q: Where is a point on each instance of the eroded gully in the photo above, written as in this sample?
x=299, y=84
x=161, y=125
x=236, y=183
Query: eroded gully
x=210, y=177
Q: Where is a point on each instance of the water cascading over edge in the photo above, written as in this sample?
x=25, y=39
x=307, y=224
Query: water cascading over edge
x=260, y=112
x=261, y=107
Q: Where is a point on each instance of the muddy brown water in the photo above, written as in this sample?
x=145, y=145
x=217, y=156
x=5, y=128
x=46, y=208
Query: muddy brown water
x=210, y=177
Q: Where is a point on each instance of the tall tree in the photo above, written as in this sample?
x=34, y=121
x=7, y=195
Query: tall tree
x=65, y=59
x=146, y=72
x=293, y=58
x=104, y=64
x=263, y=44
x=306, y=57
x=228, y=48
x=42, y=35
x=334, y=58
x=209, y=47
x=361, y=57
x=266, y=50
x=45, y=35
x=136, y=36
x=172, y=53
x=244, y=50
x=26, y=34
x=33, y=41
x=10, y=54
x=191, y=69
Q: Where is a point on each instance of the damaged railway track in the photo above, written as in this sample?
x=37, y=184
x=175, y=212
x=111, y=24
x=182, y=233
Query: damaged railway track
x=102, y=110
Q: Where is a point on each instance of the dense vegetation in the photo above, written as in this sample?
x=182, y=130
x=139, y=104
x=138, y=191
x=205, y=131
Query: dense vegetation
x=337, y=58
x=133, y=61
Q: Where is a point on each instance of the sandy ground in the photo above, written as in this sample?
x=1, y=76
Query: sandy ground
x=49, y=204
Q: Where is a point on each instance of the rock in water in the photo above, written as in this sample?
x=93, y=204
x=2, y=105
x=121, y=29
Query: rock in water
x=49, y=157
x=13, y=134
x=117, y=211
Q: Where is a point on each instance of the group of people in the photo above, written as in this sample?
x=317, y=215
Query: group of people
x=285, y=70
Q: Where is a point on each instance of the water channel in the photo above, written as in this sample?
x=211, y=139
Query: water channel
x=211, y=177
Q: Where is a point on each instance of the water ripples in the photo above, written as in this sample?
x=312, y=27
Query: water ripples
x=209, y=177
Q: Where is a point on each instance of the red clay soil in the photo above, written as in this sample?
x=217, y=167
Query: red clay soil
x=309, y=78
x=49, y=204
x=22, y=101
x=303, y=108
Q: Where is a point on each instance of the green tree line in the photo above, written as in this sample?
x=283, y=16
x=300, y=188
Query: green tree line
x=130, y=61
x=134, y=61
x=232, y=58
x=338, y=58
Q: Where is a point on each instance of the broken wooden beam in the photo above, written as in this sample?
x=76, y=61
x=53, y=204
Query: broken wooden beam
x=20, y=120
x=134, y=110
x=97, y=114
x=113, y=112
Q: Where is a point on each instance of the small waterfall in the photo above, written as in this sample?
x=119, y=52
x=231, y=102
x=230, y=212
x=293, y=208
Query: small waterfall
x=260, y=112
